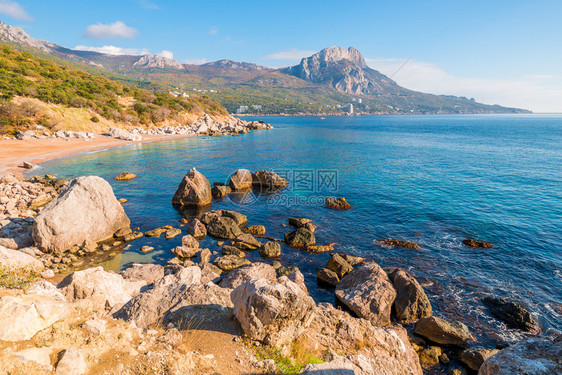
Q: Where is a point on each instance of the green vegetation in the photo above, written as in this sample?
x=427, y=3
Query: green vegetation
x=293, y=364
x=16, y=278
x=23, y=75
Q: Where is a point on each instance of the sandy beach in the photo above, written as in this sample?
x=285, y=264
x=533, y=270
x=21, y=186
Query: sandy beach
x=14, y=152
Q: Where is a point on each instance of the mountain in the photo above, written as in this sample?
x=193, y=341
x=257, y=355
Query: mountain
x=325, y=83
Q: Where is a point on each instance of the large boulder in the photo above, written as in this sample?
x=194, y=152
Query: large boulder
x=368, y=292
x=241, y=180
x=411, y=302
x=194, y=190
x=109, y=288
x=272, y=311
x=240, y=275
x=301, y=237
x=223, y=227
x=514, y=314
x=23, y=316
x=387, y=348
x=538, y=356
x=15, y=259
x=85, y=210
x=268, y=181
x=443, y=332
x=173, y=293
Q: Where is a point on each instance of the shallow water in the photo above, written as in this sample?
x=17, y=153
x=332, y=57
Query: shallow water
x=431, y=179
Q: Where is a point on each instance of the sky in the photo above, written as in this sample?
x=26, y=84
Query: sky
x=498, y=52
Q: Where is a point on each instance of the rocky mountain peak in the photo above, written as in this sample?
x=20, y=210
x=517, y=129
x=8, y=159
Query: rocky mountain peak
x=155, y=61
x=234, y=65
x=17, y=35
x=335, y=54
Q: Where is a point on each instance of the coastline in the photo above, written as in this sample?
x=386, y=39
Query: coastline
x=14, y=152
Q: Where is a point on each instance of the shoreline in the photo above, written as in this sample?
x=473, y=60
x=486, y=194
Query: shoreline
x=36, y=151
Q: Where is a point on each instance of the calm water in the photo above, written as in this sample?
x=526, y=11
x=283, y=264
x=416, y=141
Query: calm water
x=431, y=179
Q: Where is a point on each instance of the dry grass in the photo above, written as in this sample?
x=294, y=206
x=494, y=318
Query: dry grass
x=17, y=278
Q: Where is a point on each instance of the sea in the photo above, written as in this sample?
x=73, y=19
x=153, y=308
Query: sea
x=433, y=180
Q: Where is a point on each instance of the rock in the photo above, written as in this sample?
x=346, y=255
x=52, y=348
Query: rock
x=122, y=200
x=328, y=276
x=131, y=237
x=194, y=190
x=367, y=291
x=71, y=363
x=470, y=242
x=210, y=272
x=223, y=227
x=255, y=229
x=171, y=295
x=145, y=272
x=241, y=180
x=429, y=356
x=204, y=256
x=15, y=259
x=47, y=274
x=121, y=233
x=245, y=241
x=339, y=265
x=387, y=349
x=443, y=332
x=171, y=233
x=95, y=326
x=183, y=252
x=23, y=316
x=270, y=249
x=220, y=191
x=196, y=229
x=40, y=356
x=156, y=232
x=300, y=238
x=109, y=288
x=298, y=222
x=411, y=302
x=272, y=311
x=27, y=165
x=86, y=209
x=268, y=181
x=337, y=203
x=474, y=358
x=230, y=262
x=399, y=243
x=238, y=218
x=125, y=176
x=514, y=314
x=319, y=248
x=231, y=250
x=146, y=248
x=352, y=260
x=537, y=356
x=297, y=277
x=240, y=275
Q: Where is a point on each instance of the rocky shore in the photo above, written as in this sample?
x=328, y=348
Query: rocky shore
x=215, y=311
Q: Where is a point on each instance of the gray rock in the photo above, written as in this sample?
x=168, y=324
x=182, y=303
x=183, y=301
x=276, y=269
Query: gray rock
x=538, y=356
x=367, y=291
x=194, y=190
x=240, y=275
x=443, y=332
x=411, y=302
x=272, y=311
x=86, y=209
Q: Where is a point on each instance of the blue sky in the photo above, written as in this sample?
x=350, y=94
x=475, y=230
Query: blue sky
x=504, y=52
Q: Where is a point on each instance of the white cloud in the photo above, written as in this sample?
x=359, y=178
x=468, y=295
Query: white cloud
x=538, y=92
x=117, y=29
x=195, y=61
x=112, y=50
x=14, y=10
x=213, y=31
x=168, y=54
x=148, y=5
x=291, y=55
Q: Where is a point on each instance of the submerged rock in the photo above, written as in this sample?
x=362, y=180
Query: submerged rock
x=399, y=243
x=368, y=292
x=194, y=190
x=337, y=203
x=470, y=242
x=514, y=314
x=86, y=209
x=443, y=332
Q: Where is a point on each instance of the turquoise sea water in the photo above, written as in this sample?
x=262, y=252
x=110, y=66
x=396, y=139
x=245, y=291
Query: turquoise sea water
x=430, y=179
